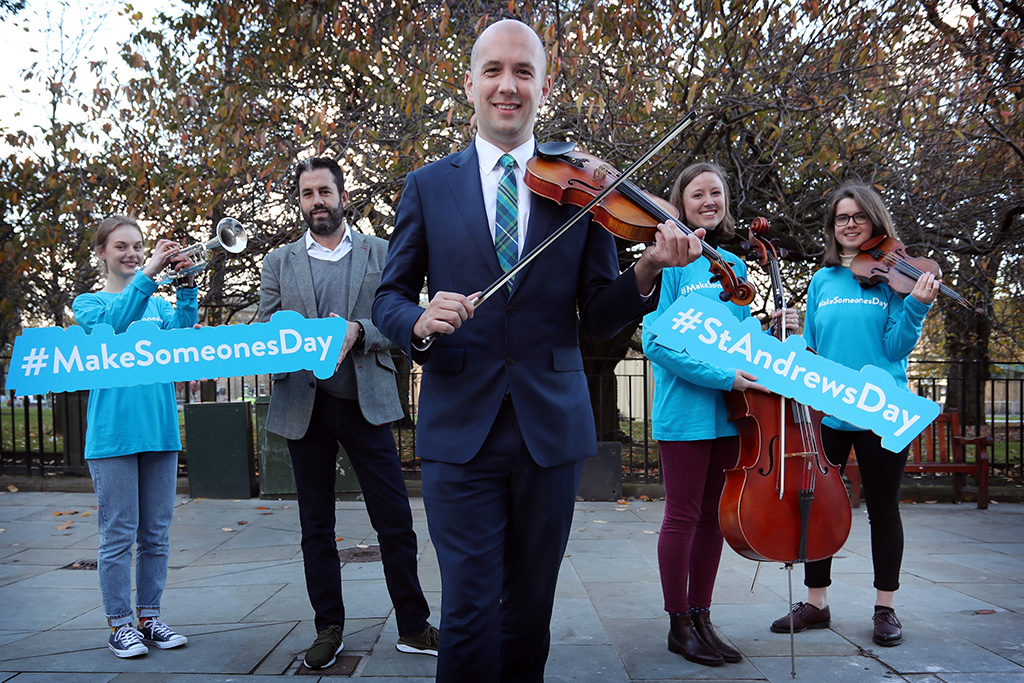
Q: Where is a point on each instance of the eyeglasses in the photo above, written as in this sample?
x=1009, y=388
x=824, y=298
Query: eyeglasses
x=859, y=218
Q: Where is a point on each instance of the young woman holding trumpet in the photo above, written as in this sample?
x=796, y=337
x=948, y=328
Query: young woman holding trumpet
x=134, y=465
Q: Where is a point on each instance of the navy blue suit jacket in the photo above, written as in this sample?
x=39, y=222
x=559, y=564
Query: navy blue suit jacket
x=525, y=340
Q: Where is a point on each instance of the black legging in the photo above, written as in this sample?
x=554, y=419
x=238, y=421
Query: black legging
x=881, y=473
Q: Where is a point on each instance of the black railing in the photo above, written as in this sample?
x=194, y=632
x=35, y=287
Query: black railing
x=41, y=435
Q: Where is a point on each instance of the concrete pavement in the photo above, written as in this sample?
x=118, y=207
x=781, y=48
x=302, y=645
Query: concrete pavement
x=236, y=590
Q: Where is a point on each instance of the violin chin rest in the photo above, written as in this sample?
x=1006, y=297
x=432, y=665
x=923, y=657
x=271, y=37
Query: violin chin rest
x=555, y=148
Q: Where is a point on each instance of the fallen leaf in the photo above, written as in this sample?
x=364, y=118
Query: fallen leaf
x=621, y=509
x=649, y=532
x=226, y=528
x=260, y=507
x=65, y=525
x=286, y=507
x=339, y=538
x=2, y=530
x=86, y=513
x=622, y=501
x=600, y=521
x=266, y=513
x=242, y=523
x=12, y=488
x=984, y=611
x=644, y=498
x=931, y=502
x=360, y=545
x=58, y=513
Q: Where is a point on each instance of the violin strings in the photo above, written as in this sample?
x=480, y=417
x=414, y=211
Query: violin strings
x=910, y=270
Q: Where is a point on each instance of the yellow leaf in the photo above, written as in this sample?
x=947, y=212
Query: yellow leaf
x=65, y=525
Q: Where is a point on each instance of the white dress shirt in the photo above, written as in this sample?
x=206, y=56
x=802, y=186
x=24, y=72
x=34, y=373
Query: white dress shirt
x=318, y=251
x=490, y=175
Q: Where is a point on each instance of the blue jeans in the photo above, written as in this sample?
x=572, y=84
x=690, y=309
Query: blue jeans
x=136, y=500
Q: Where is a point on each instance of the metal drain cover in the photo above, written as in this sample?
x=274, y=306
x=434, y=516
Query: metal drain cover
x=368, y=554
x=344, y=665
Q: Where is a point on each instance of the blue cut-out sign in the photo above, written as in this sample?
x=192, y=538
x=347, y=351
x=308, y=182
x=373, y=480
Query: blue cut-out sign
x=868, y=398
x=56, y=359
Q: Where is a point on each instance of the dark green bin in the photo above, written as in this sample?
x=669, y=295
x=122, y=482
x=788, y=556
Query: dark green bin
x=221, y=461
x=276, y=478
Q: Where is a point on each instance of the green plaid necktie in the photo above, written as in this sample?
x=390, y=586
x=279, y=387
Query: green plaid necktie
x=506, y=216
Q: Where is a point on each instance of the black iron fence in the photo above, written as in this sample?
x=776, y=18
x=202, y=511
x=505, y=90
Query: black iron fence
x=41, y=435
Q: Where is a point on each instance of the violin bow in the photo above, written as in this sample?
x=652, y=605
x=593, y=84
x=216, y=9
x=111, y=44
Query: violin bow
x=674, y=132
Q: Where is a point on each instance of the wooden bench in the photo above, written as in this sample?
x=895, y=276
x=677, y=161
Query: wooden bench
x=940, y=449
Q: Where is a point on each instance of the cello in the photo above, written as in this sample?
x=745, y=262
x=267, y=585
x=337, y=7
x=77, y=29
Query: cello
x=782, y=476
x=783, y=502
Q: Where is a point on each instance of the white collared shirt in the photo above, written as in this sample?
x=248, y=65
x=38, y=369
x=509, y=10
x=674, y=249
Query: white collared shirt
x=318, y=251
x=490, y=175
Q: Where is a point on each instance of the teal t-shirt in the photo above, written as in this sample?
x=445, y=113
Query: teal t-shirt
x=142, y=418
x=859, y=326
x=688, y=401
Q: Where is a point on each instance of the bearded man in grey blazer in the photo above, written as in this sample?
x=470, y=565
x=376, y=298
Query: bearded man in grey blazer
x=334, y=271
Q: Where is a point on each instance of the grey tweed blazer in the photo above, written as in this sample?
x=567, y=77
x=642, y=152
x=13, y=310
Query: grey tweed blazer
x=287, y=285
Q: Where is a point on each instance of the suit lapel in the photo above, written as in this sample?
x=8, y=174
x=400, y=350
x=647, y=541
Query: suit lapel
x=357, y=269
x=464, y=183
x=299, y=261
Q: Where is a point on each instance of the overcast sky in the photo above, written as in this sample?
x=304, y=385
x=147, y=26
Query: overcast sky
x=82, y=29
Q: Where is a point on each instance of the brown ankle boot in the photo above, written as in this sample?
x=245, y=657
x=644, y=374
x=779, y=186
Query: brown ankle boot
x=702, y=625
x=684, y=640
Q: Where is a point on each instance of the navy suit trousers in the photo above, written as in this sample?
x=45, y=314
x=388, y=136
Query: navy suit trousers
x=500, y=524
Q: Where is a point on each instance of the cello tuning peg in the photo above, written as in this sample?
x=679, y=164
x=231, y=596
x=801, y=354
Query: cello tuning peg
x=745, y=245
x=783, y=252
x=716, y=279
x=723, y=295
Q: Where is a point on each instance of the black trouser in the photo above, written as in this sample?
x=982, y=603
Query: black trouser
x=881, y=474
x=371, y=450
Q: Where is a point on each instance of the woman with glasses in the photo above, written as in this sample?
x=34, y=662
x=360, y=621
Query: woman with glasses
x=857, y=326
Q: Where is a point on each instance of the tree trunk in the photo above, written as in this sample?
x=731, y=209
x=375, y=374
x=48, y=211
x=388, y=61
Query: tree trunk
x=967, y=340
x=599, y=360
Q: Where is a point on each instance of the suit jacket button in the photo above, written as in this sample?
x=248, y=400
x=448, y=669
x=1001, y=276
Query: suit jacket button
x=510, y=360
x=511, y=310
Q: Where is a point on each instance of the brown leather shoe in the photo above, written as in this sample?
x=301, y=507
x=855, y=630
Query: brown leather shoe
x=684, y=640
x=702, y=625
x=805, y=616
x=888, y=629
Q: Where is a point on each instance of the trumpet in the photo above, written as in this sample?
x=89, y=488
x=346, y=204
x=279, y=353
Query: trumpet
x=230, y=237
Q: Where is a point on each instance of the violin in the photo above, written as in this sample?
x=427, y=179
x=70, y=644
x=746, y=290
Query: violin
x=885, y=259
x=783, y=502
x=563, y=174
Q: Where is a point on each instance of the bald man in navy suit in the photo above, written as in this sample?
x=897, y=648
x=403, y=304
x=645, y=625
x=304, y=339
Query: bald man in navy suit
x=505, y=419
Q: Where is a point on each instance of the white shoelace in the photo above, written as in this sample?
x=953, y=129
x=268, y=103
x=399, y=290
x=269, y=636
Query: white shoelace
x=159, y=629
x=126, y=636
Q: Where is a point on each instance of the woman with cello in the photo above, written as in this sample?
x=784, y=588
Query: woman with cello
x=857, y=324
x=697, y=442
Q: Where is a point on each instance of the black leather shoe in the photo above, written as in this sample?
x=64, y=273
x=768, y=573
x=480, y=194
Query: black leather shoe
x=888, y=629
x=805, y=616
x=685, y=641
x=704, y=628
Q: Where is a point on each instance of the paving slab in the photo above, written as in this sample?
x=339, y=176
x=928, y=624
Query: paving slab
x=239, y=596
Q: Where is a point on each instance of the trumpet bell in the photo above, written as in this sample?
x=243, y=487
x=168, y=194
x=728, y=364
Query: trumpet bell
x=231, y=235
